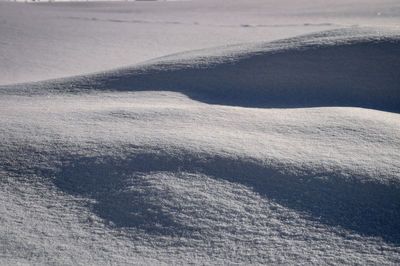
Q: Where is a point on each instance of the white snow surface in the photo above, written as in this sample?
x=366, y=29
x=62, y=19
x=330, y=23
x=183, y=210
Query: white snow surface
x=252, y=133
x=52, y=40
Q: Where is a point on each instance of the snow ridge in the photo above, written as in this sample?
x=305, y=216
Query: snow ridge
x=356, y=67
x=135, y=165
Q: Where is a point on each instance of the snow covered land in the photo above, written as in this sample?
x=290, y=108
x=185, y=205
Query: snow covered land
x=200, y=132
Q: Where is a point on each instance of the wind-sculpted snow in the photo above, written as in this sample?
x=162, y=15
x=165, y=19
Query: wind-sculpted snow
x=358, y=68
x=135, y=166
x=176, y=180
x=332, y=197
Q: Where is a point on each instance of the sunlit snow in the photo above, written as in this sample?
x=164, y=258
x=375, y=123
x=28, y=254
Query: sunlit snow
x=200, y=132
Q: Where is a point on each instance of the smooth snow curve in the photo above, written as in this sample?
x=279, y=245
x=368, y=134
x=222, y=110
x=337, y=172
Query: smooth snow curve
x=135, y=166
x=324, y=69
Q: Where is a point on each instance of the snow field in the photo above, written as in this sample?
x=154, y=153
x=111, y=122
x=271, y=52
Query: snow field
x=226, y=132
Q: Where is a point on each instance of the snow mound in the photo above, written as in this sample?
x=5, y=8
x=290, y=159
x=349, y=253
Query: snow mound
x=124, y=166
x=350, y=67
x=335, y=197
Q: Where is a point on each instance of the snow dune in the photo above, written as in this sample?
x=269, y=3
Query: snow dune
x=169, y=162
x=41, y=41
x=350, y=67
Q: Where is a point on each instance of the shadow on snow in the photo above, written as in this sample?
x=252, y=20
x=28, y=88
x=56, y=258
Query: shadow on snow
x=368, y=208
x=361, y=74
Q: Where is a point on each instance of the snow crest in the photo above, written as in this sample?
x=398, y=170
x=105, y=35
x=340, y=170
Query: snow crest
x=349, y=67
x=168, y=162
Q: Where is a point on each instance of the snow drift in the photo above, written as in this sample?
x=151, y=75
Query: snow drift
x=324, y=69
x=131, y=163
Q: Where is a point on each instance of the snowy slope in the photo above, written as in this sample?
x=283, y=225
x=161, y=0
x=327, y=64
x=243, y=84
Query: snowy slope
x=354, y=67
x=123, y=175
x=54, y=40
x=265, y=152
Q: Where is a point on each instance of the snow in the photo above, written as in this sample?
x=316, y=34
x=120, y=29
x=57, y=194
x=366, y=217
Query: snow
x=211, y=133
x=54, y=40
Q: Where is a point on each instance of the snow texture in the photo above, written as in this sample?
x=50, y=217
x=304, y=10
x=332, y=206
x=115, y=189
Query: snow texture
x=265, y=152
